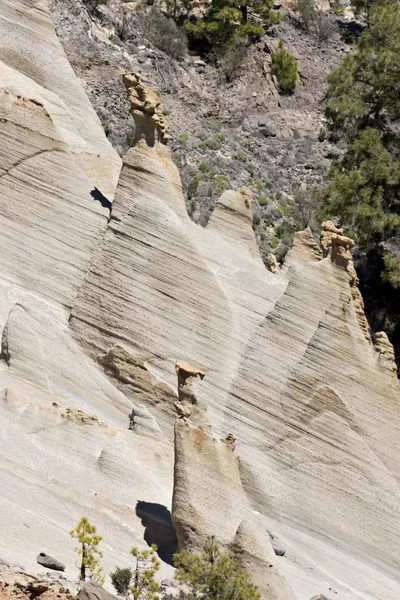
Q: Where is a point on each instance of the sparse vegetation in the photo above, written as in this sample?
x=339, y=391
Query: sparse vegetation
x=182, y=139
x=123, y=25
x=146, y=564
x=315, y=21
x=233, y=59
x=163, y=32
x=227, y=21
x=214, y=574
x=88, y=550
x=363, y=190
x=121, y=579
x=220, y=183
x=284, y=66
x=213, y=142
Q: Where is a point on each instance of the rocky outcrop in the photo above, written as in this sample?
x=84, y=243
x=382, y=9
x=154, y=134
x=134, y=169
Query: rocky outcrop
x=386, y=352
x=257, y=557
x=16, y=584
x=187, y=406
x=209, y=501
x=145, y=109
x=337, y=246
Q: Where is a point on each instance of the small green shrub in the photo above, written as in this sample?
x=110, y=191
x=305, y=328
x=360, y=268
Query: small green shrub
x=183, y=138
x=107, y=128
x=220, y=183
x=241, y=155
x=121, y=579
x=284, y=66
x=205, y=167
x=262, y=200
x=213, y=143
x=285, y=231
x=178, y=160
x=274, y=242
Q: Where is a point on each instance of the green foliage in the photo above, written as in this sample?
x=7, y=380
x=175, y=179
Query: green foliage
x=392, y=269
x=220, y=183
x=366, y=6
x=322, y=134
x=262, y=200
x=226, y=21
x=214, y=574
x=306, y=10
x=146, y=565
x=121, y=579
x=183, y=138
x=363, y=190
x=284, y=66
x=285, y=231
x=242, y=155
x=205, y=167
x=214, y=142
x=88, y=549
x=107, y=128
x=178, y=159
x=274, y=242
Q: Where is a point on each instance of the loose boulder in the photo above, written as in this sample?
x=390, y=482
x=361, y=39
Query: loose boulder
x=49, y=562
x=94, y=591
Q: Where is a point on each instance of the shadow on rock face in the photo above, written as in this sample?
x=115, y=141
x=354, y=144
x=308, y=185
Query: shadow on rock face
x=99, y=197
x=159, y=529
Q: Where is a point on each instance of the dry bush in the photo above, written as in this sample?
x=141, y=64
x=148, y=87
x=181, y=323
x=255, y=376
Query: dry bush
x=324, y=26
x=314, y=21
x=123, y=23
x=232, y=61
x=163, y=32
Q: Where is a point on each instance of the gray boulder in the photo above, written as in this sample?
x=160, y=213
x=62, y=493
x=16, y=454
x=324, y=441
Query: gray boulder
x=49, y=562
x=279, y=551
x=267, y=128
x=94, y=591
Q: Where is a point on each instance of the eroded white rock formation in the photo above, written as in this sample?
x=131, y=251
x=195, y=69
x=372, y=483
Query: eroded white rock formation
x=96, y=310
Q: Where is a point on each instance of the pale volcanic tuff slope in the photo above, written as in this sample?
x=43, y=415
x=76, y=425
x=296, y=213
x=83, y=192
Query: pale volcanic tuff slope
x=94, y=315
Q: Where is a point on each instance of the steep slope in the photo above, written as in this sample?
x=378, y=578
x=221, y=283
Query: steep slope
x=96, y=309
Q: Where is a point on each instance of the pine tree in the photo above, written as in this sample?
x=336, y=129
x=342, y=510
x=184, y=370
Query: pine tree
x=88, y=549
x=228, y=20
x=144, y=585
x=363, y=190
x=214, y=574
